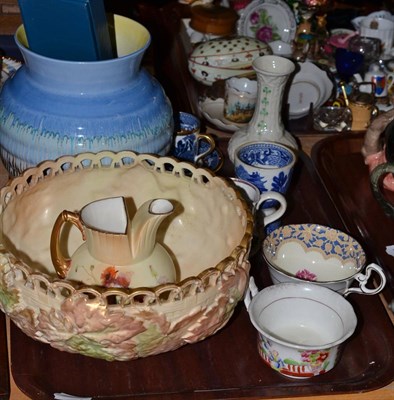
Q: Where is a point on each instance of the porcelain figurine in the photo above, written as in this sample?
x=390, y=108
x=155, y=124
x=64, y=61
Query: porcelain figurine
x=116, y=252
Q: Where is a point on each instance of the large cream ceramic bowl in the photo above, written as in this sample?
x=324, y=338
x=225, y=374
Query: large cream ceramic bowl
x=208, y=235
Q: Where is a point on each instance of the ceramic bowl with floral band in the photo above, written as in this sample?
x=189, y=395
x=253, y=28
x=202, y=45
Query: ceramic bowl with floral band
x=322, y=255
x=301, y=327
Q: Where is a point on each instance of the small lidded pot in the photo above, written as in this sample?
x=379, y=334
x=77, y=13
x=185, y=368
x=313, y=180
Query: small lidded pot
x=213, y=19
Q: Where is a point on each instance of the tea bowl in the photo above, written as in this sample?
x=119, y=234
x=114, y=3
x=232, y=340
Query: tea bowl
x=123, y=323
x=322, y=255
x=301, y=327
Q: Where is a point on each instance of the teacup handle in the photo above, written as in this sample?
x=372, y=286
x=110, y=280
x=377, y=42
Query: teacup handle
x=270, y=195
x=364, y=278
x=375, y=175
x=200, y=138
x=251, y=291
x=62, y=264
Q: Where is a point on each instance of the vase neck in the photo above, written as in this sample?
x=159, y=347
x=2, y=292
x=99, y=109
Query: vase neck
x=267, y=118
x=87, y=78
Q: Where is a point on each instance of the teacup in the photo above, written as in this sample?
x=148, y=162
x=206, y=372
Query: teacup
x=253, y=196
x=240, y=99
x=301, y=327
x=191, y=145
x=322, y=255
x=267, y=165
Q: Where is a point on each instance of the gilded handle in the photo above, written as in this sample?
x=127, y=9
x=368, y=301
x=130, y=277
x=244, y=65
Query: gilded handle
x=198, y=158
x=62, y=264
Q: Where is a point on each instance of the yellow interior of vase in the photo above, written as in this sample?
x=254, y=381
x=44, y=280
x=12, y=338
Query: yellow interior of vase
x=130, y=35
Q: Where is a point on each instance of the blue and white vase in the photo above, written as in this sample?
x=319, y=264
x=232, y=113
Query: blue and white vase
x=52, y=107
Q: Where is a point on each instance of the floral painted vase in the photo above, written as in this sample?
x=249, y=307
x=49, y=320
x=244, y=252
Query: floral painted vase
x=53, y=107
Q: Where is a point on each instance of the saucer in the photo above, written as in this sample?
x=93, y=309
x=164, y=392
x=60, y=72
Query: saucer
x=212, y=110
x=267, y=20
x=310, y=85
x=10, y=66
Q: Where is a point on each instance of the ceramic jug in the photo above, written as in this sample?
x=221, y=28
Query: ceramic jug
x=54, y=107
x=378, y=152
x=116, y=252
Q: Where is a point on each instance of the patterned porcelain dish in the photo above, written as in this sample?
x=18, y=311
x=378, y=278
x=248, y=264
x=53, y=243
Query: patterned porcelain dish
x=310, y=85
x=223, y=58
x=268, y=21
x=320, y=254
x=116, y=323
x=301, y=327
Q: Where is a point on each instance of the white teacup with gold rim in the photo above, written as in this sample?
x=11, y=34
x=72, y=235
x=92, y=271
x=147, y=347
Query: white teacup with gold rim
x=322, y=255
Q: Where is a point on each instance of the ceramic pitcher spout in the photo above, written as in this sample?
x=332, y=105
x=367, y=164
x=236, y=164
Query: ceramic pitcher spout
x=144, y=226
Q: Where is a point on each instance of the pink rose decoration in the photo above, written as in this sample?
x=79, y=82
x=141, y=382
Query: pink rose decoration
x=264, y=34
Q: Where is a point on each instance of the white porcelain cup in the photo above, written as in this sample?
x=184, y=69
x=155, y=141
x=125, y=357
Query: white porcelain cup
x=240, y=99
x=301, y=327
x=256, y=199
x=321, y=255
x=380, y=28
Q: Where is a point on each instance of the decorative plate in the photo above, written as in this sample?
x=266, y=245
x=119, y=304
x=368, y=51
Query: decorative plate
x=212, y=110
x=310, y=85
x=267, y=20
x=10, y=66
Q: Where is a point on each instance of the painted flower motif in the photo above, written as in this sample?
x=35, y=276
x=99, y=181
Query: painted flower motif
x=280, y=182
x=264, y=34
x=306, y=275
x=111, y=277
x=316, y=358
x=254, y=18
x=263, y=26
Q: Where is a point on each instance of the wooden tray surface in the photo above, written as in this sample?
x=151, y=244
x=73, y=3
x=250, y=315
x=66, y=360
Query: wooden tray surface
x=227, y=364
x=339, y=163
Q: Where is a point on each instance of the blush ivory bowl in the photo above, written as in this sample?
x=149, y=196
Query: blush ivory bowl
x=115, y=323
x=320, y=254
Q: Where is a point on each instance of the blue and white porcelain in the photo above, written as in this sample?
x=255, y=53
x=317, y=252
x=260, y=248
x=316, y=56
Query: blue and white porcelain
x=193, y=146
x=267, y=165
x=199, y=149
x=52, y=107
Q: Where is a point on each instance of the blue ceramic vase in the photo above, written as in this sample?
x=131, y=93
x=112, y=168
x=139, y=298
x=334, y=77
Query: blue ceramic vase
x=52, y=107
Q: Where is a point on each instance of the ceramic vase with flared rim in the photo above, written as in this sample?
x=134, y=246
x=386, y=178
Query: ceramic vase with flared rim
x=54, y=107
x=266, y=124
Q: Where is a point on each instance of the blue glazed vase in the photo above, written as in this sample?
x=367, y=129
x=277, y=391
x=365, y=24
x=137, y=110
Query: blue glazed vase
x=52, y=107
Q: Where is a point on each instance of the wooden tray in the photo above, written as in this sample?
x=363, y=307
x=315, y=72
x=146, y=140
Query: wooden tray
x=341, y=167
x=4, y=377
x=227, y=364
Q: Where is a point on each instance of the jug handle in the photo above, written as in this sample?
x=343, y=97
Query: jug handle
x=372, y=142
x=61, y=263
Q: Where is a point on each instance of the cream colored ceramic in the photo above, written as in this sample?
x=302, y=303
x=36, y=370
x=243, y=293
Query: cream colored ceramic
x=117, y=252
x=116, y=323
x=322, y=255
x=301, y=327
x=224, y=58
